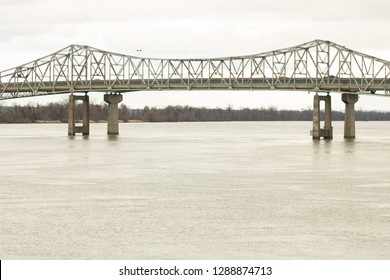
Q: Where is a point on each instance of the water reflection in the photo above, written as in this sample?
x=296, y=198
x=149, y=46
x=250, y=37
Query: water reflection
x=113, y=137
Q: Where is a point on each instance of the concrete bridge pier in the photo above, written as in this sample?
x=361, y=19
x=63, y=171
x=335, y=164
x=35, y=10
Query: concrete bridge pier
x=327, y=131
x=72, y=128
x=349, y=121
x=112, y=122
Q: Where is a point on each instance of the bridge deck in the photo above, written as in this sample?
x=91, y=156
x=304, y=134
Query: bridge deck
x=302, y=84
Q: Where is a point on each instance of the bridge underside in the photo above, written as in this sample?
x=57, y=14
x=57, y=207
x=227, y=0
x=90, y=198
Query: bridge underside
x=349, y=97
x=318, y=132
x=327, y=131
x=113, y=121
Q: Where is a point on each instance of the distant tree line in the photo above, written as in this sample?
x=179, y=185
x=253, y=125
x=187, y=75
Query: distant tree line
x=58, y=112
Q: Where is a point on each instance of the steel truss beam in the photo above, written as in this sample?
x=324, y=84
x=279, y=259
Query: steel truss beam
x=314, y=66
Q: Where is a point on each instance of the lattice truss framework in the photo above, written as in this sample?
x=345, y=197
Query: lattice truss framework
x=314, y=66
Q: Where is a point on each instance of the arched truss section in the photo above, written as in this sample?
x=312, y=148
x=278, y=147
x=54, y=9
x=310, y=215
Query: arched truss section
x=314, y=66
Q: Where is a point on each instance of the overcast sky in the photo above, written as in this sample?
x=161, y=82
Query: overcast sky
x=201, y=28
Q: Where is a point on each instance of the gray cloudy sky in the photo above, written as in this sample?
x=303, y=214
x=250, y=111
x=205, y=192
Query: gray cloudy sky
x=200, y=28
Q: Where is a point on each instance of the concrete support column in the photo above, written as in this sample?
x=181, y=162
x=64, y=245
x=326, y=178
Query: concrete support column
x=71, y=118
x=72, y=128
x=113, y=100
x=85, y=115
x=349, y=121
x=327, y=131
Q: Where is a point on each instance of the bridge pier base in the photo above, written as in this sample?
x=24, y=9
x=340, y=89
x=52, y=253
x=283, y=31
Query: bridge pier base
x=113, y=118
x=327, y=131
x=349, y=121
x=72, y=128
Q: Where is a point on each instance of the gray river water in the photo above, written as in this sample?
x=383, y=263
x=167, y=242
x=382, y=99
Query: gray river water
x=234, y=190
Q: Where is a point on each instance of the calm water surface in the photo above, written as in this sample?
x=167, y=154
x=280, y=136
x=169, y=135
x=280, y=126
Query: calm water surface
x=237, y=190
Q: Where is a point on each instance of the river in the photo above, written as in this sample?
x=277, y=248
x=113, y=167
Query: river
x=213, y=190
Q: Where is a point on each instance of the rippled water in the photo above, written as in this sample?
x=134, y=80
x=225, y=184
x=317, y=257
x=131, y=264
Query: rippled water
x=237, y=190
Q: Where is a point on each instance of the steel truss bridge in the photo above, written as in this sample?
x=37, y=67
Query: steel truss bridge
x=319, y=66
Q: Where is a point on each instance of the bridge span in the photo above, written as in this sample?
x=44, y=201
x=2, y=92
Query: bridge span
x=317, y=66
